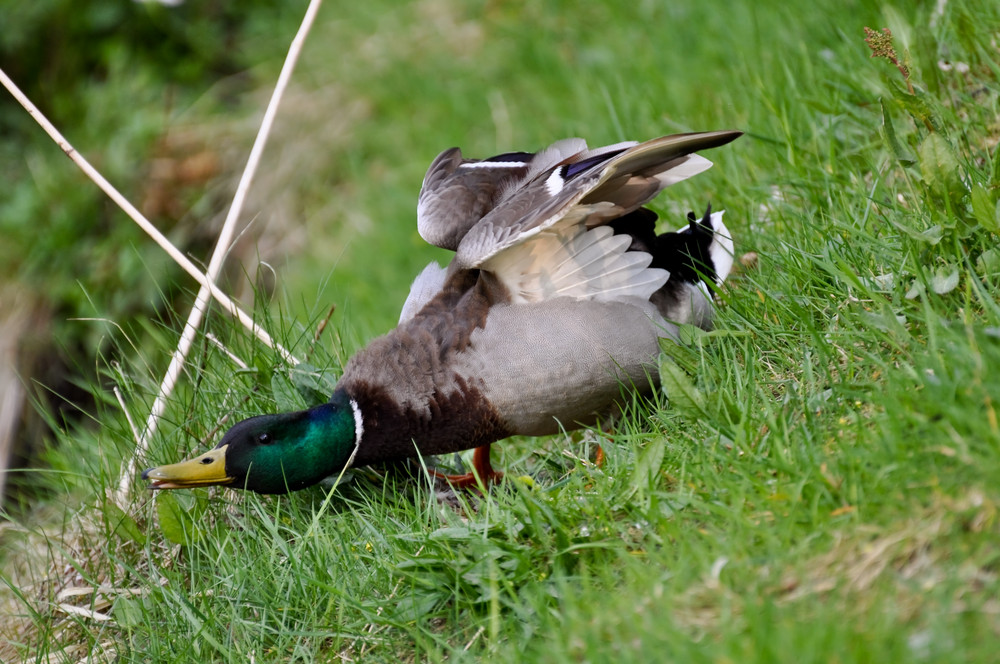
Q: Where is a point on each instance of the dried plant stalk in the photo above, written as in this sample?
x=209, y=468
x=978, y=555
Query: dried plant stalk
x=227, y=302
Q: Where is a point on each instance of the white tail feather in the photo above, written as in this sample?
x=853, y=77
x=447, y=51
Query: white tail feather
x=721, y=251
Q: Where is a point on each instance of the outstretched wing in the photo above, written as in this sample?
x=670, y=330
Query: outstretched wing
x=458, y=192
x=548, y=237
x=585, y=189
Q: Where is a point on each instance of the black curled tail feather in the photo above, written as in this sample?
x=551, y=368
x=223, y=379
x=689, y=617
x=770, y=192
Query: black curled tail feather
x=687, y=255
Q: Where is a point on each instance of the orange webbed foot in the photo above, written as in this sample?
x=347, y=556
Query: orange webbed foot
x=483, y=472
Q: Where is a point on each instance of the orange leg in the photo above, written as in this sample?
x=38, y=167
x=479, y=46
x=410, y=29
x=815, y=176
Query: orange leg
x=482, y=470
x=599, y=456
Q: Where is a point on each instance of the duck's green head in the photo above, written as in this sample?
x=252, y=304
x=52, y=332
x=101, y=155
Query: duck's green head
x=273, y=453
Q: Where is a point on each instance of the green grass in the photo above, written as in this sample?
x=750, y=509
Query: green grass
x=822, y=486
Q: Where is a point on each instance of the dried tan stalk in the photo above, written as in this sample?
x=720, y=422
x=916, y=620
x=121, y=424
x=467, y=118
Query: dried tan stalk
x=227, y=302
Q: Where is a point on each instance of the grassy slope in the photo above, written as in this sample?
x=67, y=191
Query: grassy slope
x=825, y=492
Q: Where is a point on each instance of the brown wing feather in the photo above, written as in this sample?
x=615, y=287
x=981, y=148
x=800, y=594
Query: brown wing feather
x=595, y=195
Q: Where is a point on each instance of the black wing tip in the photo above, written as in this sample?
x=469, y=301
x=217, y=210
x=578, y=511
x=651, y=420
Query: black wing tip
x=706, y=140
x=728, y=135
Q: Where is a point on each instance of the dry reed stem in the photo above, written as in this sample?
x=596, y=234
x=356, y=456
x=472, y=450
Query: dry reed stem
x=227, y=302
x=235, y=359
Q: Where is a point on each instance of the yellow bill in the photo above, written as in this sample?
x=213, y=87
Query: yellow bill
x=205, y=470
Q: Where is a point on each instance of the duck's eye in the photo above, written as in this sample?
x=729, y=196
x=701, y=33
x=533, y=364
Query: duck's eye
x=264, y=438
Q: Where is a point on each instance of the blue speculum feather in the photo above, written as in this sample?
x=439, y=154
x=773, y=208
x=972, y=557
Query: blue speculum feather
x=572, y=170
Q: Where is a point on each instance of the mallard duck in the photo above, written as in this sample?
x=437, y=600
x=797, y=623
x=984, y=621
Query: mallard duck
x=550, y=311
